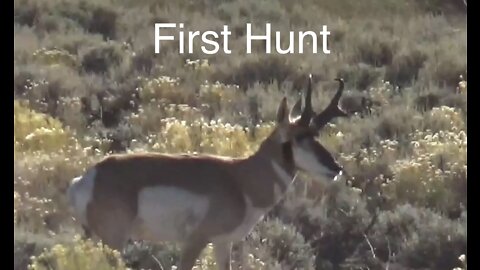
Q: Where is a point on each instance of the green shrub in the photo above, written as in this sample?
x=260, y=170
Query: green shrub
x=404, y=68
x=446, y=62
x=102, y=58
x=25, y=12
x=92, y=16
x=419, y=238
x=284, y=243
x=359, y=76
x=398, y=121
x=376, y=50
x=262, y=69
x=140, y=255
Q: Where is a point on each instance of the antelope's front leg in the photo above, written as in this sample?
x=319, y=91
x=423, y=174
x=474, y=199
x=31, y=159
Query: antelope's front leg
x=223, y=252
x=191, y=252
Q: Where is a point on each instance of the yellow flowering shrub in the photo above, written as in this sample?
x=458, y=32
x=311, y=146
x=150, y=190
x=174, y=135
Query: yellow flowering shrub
x=382, y=94
x=47, y=157
x=35, y=131
x=218, y=93
x=212, y=137
x=55, y=57
x=198, y=64
x=437, y=168
x=207, y=259
x=80, y=255
x=40, y=182
x=444, y=119
x=167, y=90
x=149, y=116
x=163, y=87
x=200, y=68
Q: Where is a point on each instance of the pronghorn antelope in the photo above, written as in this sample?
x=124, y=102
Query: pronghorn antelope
x=201, y=199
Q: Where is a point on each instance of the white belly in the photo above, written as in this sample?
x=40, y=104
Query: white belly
x=169, y=213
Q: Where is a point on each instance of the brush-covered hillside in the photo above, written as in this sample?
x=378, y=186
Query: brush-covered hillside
x=87, y=83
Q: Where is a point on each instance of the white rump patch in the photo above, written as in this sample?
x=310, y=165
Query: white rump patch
x=169, y=213
x=80, y=194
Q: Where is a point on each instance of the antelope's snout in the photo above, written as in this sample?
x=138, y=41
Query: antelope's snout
x=338, y=176
x=334, y=173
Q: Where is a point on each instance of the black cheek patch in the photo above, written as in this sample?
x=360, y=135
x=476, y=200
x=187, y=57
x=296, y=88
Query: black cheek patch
x=324, y=156
x=287, y=152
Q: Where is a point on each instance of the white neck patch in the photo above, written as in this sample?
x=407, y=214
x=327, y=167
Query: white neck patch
x=286, y=178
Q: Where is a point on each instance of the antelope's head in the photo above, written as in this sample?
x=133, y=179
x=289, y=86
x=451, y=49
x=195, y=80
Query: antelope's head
x=300, y=127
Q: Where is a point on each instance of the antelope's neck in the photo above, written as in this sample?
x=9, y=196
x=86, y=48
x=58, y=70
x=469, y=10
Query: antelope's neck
x=266, y=175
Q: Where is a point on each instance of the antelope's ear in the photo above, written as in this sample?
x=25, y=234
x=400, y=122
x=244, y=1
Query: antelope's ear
x=282, y=112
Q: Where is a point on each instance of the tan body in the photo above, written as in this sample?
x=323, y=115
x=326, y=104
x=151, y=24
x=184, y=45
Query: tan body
x=195, y=200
